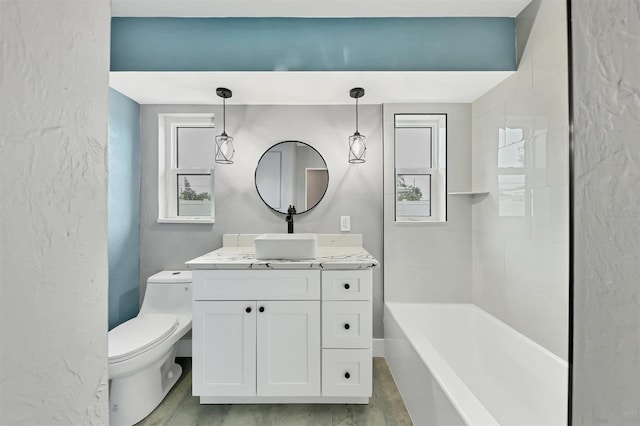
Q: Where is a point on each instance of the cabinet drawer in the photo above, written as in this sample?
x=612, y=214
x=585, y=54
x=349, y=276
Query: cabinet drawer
x=346, y=285
x=256, y=285
x=347, y=372
x=346, y=324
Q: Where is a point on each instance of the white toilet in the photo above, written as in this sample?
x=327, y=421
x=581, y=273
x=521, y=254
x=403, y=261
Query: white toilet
x=142, y=367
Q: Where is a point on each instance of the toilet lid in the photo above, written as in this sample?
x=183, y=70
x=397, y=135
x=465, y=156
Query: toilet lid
x=138, y=334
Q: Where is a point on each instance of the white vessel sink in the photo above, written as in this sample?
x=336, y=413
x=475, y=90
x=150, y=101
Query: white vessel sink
x=286, y=246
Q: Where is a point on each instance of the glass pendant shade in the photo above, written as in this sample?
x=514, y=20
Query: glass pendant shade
x=357, y=148
x=224, y=149
x=224, y=142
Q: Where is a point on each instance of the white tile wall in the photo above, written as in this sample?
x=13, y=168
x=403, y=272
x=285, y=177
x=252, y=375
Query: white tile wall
x=520, y=154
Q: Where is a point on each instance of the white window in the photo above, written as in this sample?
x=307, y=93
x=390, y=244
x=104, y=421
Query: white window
x=420, y=143
x=186, y=158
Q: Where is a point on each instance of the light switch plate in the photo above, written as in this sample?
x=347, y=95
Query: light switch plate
x=345, y=223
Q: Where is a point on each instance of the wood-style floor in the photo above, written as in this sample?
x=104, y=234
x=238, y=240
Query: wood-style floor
x=385, y=407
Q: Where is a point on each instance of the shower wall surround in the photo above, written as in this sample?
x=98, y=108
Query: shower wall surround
x=521, y=156
x=354, y=190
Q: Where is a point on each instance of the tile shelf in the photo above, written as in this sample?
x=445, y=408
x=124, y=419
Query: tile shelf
x=469, y=193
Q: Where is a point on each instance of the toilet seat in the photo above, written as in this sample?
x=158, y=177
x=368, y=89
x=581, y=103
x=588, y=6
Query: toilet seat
x=139, y=334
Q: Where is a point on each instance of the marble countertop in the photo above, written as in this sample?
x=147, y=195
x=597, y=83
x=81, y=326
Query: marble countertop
x=244, y=258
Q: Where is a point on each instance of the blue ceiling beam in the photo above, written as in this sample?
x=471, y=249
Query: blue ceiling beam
x=313, y=44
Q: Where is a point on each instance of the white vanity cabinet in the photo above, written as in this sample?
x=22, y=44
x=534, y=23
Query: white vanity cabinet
x=266, y=348
x=295, y=335
x=245, y=343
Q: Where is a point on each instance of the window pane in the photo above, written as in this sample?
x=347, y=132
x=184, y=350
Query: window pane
x=413, y=147
x=413, y=195
x=194, y=195
x=415, y=120
x=195, y=147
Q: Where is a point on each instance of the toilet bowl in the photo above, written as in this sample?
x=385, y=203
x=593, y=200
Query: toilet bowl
x=142, y=367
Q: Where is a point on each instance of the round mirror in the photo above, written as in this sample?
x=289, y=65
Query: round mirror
x=291, y=173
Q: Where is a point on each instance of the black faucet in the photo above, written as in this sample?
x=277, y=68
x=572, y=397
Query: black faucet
x=291, y=211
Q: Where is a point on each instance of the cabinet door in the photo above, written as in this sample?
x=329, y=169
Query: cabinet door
x=288, y=348
x=224, y=348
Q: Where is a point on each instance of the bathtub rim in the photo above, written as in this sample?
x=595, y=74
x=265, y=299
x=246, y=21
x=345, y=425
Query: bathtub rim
x=493, y=319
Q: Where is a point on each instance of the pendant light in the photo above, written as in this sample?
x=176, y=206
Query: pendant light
x=357, y=147
x=224, y=142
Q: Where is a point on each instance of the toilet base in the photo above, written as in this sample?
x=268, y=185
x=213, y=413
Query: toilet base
x=134, y=397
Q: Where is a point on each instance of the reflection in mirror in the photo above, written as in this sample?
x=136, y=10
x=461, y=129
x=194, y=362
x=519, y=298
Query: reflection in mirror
x=291, y=173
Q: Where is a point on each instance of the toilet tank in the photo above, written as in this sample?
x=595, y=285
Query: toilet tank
x=168, y=292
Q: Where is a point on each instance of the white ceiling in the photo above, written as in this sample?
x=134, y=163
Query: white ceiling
x=308, y=88
x=304, y=88
x=316, y=8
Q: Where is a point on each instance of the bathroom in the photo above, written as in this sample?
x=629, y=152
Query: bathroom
x=476, y=255
x=504, y=241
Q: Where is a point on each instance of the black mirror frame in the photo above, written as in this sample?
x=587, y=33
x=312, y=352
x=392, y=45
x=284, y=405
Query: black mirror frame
x=255, y=175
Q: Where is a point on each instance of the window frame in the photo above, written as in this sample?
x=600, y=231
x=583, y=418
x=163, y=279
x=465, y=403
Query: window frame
x=437, y=122
x=168, y=124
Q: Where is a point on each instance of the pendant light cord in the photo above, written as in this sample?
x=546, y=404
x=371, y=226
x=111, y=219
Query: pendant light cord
x=357, y=115
x=224, y=108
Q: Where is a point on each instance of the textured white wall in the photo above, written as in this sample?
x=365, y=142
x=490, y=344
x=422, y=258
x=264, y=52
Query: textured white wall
x=430, y=263
x=53, y=224
x=521, y=156
x=354, y=189
x=606, y=155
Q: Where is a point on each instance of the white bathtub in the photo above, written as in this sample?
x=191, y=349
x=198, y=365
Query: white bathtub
x=455, y=364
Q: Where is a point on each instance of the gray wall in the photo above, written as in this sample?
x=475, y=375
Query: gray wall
x=53, y=212
x=354, y=190
x=606, y=176
x=431, y=262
